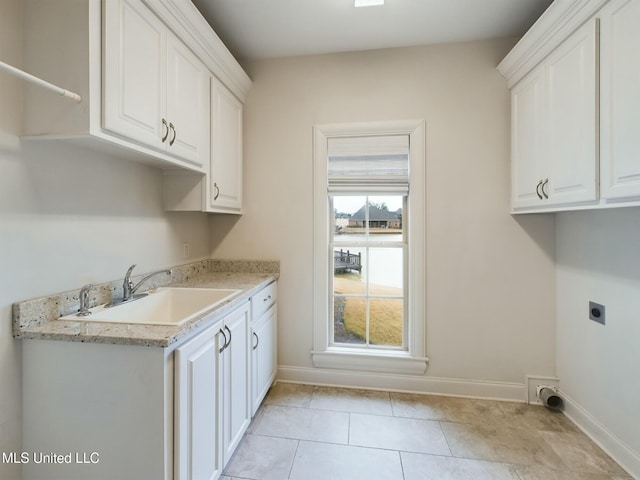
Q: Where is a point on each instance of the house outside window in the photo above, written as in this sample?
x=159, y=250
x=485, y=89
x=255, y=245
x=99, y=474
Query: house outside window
x=369, y=247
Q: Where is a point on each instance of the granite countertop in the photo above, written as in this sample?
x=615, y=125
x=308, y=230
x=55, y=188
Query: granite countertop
x=39, y=318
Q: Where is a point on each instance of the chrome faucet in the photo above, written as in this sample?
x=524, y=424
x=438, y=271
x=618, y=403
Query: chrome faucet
x=83, y=311
x=129, y=288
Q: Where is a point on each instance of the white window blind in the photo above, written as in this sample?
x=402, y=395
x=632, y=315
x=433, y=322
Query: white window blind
x=371, y=164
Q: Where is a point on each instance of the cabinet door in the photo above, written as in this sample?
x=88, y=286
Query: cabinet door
x=226, y=150
x=527, y=139
x=134, y=90
x=620, y=99
x=198, y=449
x=263, y=356
x=236, y=389
x=187, y=104
x=571, y=119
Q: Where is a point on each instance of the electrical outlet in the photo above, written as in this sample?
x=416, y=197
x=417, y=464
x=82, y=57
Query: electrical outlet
x=185, y=250
x=596, y=312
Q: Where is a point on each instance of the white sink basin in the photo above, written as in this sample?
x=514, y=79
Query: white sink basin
x=164, y=306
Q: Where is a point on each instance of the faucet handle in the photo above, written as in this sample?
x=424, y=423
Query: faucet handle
x=83, y=311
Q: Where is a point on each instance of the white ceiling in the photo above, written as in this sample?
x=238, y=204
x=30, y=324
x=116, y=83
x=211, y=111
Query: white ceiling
x=259, y=29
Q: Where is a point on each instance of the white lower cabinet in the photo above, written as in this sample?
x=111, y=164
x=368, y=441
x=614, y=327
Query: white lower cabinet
x=198, y=402
x=140, y=412
x=212, y=409
x=264, y=343
x=235, y=384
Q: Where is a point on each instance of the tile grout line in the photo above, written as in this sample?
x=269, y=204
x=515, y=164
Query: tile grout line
x=294, y=459
x=401, y=465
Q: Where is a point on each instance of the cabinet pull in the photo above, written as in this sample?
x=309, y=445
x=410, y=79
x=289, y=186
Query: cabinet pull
x=544, y=184
x=164, y=124
x=225, y=342
x=175, y=133
x=257, y=340
x=267, y=298
x=227, y=329
x=215, y=197
x=538, y=189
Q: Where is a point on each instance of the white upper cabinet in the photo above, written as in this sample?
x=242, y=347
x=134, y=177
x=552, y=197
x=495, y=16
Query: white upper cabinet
x=554, y=126
x=187, y=104
x=135, y=65
x=527, y=146
x=571, y=123
x=220, y=189
x=620, y=99
x=155, y=89
x=143, y=69
x=585, y=152
x=225, y=181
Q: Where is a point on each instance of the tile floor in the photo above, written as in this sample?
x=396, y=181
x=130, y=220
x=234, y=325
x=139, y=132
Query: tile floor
x=303, y=432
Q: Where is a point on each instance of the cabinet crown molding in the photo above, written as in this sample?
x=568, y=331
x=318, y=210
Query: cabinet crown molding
x=559, y=21
x=189, y=24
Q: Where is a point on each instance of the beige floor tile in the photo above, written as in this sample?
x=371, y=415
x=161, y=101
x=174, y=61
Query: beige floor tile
x=406, y=434
x=262, y=458
x=537, y=417
x=500, y=444
x=419, y=466
x=350, y=400
x=449, y=409
x=532, y=472
x=303, y=424
x=289, y=394
x=322, y=461
x=580, y=454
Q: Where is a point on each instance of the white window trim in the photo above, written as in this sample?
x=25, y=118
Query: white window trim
x=413, y=360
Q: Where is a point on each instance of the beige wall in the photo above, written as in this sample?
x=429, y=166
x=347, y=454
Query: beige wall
x=490, y=276
x=599, y=366
x=69, y=217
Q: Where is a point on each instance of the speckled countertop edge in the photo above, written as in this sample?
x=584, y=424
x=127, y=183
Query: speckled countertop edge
x=38, y=318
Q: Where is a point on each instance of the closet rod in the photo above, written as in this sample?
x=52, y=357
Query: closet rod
x=42, y=83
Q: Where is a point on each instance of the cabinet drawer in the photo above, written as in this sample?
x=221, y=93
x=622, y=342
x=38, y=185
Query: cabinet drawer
x=262, y=301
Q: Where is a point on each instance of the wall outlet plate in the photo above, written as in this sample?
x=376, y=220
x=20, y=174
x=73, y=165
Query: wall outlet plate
x=535, y=383
x=596, y=312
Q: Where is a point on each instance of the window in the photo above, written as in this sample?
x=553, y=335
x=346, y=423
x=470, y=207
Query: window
x=369, y=247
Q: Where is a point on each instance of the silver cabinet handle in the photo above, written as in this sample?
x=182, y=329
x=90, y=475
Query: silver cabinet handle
x=224, y=345
x=164, y=124
x=257, y=340
x=544, y=184
x=215, y=197
x=267, y=298
x=175, y=133
x=538, y=189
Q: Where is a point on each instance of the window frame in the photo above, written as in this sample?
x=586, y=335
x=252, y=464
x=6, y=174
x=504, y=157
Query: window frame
x=325, y=354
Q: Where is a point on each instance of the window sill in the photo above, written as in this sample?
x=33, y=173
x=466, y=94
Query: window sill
x=381, y=362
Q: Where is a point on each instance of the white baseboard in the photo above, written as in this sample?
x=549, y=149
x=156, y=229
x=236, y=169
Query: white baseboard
x=404, y=383
x=621, y=453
